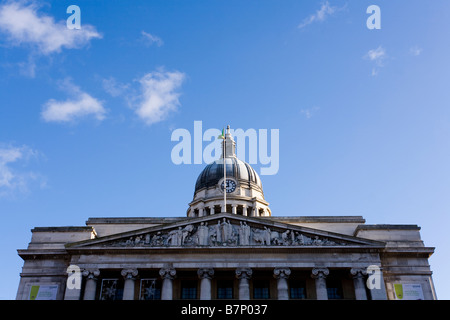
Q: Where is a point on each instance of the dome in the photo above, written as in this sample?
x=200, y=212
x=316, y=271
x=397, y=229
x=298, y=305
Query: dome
x=241, y=171
x=243, y=194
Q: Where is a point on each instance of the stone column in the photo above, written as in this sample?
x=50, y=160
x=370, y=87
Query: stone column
x=358, y=281
x=234, y=208
x=223, y=208
x=244, y=210
x=91, y=283
x=320, y=275
x=254, y=212
x=129, y=276
x=205, y=275
x=167, y=274
x=282, y=274
x=211, y=210
x=244, y=274
x=200, y=211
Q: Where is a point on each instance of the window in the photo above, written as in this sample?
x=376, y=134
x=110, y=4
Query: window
x=297, y=290
x=189, y=290
x=150, y=290
x=111, y=290
x=334, y=289
x=261, y=290
x=225, y=290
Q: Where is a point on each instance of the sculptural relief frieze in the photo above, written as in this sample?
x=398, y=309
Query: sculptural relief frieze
x=223, y=234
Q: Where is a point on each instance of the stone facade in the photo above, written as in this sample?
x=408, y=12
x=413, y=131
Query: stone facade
x=226, y=256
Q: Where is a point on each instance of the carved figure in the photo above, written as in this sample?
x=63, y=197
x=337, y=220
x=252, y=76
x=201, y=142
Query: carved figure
x=203, y=234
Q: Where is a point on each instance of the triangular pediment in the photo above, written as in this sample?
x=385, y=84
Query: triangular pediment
x=225, y=230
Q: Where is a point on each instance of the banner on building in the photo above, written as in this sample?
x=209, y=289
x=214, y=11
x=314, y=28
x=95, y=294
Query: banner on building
x=43, y=292
x=408, y=291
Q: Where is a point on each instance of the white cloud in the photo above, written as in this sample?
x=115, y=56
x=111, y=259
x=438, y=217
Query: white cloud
x=113, y=87
x=159, y=95
x=81, y=105
x=378, y=56
x=150, y=39
x=309, y=112
x=24, y=25
x=415, y=51
x=12, y=180
x=321, y=15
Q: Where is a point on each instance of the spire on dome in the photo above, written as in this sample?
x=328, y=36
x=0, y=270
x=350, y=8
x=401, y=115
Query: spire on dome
x=230, y=145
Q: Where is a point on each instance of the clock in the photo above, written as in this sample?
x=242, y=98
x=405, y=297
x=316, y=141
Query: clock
x=230, y=185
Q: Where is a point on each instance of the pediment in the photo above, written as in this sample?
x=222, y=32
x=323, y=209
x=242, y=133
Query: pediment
x=225, y=230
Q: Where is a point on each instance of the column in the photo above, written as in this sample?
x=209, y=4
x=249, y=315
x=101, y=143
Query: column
x=244, y=210
x=358, y=281
x=200, y=211
x=320, y=275
x=129, y=276
x=244, y=274
x=91, y=283
x=167, y=274
x=254, y=211
x=282, y=274
x=234, y=208
x=205, y=275
x=223, y=208
x=211, y=210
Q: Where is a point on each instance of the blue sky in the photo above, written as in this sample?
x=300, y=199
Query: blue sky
x=86, y=115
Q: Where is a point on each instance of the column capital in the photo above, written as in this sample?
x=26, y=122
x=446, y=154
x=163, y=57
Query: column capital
x=281, y=273
x=205, y=273
x=129, y=273
x=358, y=272
x=168, y=273
x=321, y=273
x=91, y=273
x=244, y=273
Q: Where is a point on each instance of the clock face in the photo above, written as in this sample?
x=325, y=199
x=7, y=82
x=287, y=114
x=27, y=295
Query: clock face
x=230, y=186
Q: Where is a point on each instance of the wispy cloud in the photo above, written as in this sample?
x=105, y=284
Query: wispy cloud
x=13, y=180
x=415, y=51
x=159, y=95
x=378, y=56
x=150, y=39
x=308, y=113
x=114, y=88
x=81, y=105
x=23, y=25
x=321, y=15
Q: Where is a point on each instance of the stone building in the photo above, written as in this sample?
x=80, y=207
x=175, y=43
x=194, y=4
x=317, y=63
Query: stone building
x=233, y=251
